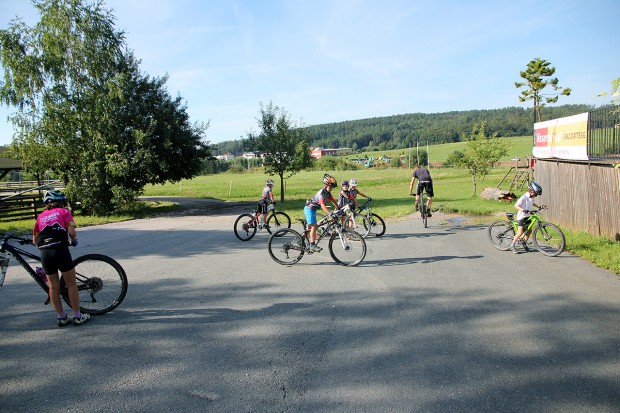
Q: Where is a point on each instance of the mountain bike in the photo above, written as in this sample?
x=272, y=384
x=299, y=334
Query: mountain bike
x=422, y=207
x=246, y=225
x=546, y=237
x=101, y=281
x=376, y=224
x=346, y=247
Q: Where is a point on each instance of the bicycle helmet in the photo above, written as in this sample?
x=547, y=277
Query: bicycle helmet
x=353, y=182
x=328, y=179
x=269, y=182
x=344, y=183
x=53, y=195
x=533, y=186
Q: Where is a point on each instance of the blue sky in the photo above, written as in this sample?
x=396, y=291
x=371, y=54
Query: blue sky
x=330, y=61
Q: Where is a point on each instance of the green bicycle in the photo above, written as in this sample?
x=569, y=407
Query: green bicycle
x=546, y=237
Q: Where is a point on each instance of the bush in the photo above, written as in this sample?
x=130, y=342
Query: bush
x=335, y=163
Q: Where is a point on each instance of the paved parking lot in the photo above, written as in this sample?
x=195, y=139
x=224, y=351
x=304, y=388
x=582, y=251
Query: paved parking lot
x=434, y=320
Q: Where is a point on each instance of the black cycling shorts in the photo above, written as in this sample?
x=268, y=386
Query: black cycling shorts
x=427, y=186
x=56, y=259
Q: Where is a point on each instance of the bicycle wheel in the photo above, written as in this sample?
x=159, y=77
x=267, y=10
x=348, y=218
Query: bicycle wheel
x=245, y=227
x=101, y=282
x=278, y=220
x=377, y=225
x=348, y=249
x=549, y=239
x=423, y=212
x=286, y=246
x=359, y=224
x=501, y=233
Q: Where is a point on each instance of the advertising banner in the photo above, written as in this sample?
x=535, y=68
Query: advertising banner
x=563, y=138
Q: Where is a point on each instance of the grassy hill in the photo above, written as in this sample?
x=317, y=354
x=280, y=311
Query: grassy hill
x=520, y=147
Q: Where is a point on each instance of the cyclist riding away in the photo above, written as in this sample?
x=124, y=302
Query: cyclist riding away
x=319, y=201
x=51, y=233
x=525, y=205
x=266, y=198
x=425, y=183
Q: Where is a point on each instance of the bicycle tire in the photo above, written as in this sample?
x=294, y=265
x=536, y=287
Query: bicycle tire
x=377, y=224
x=361, y=224
x=423, y=212
x=101, y=281
x=549, y=239
x=286, y=246
x=280, y=220
x=501, y=233
x=245, y=227
x=349, y=250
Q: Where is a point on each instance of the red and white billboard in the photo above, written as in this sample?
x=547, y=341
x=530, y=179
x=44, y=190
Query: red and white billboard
x=563, y=138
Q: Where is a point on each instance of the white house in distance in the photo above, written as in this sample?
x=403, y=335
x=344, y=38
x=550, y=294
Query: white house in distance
x=225, y=157
x=249, y=155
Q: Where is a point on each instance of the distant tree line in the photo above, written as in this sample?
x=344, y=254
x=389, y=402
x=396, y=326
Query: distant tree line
x=400, y=131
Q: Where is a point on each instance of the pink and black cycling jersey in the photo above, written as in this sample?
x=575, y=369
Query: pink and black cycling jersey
x=51, y=227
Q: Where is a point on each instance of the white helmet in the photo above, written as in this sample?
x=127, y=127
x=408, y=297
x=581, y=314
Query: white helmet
x=353, y=182
x=269, y=182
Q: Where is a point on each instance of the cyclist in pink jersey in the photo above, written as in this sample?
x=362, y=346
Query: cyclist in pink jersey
x=51, y=233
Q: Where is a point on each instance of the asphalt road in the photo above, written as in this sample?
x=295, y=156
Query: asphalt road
x=434, y=320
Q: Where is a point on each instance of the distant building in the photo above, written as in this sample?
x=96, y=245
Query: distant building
x=249, y=155
x=225, y=157
x=318, y=153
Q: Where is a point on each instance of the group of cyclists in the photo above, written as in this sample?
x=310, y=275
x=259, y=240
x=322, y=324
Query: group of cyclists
x=55, y=230
x=349, y=193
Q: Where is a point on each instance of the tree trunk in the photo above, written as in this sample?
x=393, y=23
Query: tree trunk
x=281, y=188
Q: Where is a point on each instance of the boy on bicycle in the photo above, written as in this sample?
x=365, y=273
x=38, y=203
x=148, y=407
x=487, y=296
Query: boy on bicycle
x=266, y=198
x=51, y=233
x=319, y=201
x=525, y=205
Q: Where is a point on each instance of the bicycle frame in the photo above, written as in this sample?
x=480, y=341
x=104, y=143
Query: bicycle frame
x=534, y=222
x=19, y=254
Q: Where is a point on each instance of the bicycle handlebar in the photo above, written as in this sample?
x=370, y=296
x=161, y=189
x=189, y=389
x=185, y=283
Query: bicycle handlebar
x=21, y=240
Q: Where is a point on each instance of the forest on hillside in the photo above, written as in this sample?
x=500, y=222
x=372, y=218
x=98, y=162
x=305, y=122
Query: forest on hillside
x=401, y=131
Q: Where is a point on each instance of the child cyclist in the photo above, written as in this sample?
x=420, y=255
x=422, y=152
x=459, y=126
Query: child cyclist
x=319, y=201
x=345, y=197
x=525, y=205
x=51, y=233
x=266, y=198
x=355, y=192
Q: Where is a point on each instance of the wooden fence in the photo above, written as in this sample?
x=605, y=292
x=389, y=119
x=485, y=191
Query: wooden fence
x=581, y=196
x=22, y=200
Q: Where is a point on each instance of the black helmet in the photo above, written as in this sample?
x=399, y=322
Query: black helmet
x=53, y=195
x=533, y=186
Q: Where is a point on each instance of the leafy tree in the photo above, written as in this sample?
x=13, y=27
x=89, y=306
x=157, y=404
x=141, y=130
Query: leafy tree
x=536, y=78
x=615, y=91
x=281, y=142
x=481, y=153
x=86, y=111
